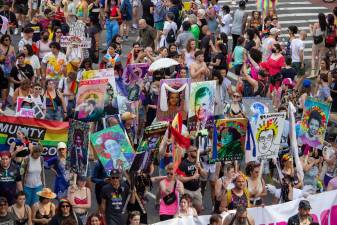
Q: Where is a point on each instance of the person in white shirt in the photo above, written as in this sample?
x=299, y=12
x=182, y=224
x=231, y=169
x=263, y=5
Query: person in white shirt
x=26, y=39
x=38, y=101
x=226, y=19
x=169, y=24
x=297, y=53
x=54, y=62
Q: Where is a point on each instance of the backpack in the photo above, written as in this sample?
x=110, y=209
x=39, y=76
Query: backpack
x=171, y=36
x=330, y=39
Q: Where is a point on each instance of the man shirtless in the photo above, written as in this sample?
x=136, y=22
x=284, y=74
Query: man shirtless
x=199, y=69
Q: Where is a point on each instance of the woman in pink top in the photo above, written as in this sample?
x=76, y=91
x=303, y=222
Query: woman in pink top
x=166, y=187
x=274, y=65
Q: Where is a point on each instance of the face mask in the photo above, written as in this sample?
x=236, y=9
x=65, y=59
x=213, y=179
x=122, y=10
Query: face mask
x=273, y=50
x=45, y=37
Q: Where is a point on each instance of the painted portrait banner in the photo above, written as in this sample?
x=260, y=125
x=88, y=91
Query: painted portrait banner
x=267, y=134
x=149, y=146
x=78, y=154
x=231, y=138
x=90, y=99
x=201, y=110
x=48, y=133
x=254, y=106
x=75, y=41
x=314, y=123
x=133, y=79
x=173, y=98
x=113, y=148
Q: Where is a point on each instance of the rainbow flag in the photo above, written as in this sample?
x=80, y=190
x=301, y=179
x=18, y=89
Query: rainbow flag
x=48, y=133
x=74, y=87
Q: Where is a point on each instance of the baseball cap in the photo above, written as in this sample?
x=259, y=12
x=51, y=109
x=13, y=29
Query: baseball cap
x=115, y=173
x=306, y=83
x=304, y=204
x=288, y=82
x=61, y=145
x=274, y=30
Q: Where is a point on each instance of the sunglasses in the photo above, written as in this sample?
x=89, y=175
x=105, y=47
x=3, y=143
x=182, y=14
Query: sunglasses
x=7, y=39
x=115, y=178
x=236, y=96
x=38, y=89
x=65, y=206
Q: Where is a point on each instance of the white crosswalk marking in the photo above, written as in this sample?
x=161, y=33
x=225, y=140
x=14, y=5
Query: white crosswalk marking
x=299, y=13
x=296, y=12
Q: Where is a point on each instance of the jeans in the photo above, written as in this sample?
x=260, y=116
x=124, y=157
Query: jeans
x=51, y=114
x=112, y=29
x=31, y=196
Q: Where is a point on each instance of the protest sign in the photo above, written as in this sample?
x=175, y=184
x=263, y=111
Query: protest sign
x=231, y=138
x=77, y=28
x=267, y=134
x=202, y=99
x=27, y=107
x=149, y=146
x=314, y=123
x=133, y=78
x=48, y=133
x=173, y=98
x=255, y=106
x=78, y=154
x=90, y=99
x=323, y=211
x=75, y=41
x=113, y=148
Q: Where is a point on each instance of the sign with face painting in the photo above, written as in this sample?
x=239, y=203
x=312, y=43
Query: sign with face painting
x=255, y=106
x=267, y=134
x=113, y=148
x=173, y=98
x=201, y=110
x=133, y=79
x=314, y=123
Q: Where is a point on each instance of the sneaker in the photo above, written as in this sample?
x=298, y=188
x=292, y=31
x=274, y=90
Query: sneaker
x=16, y=31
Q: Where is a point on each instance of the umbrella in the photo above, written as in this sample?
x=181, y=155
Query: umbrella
x=162, y=63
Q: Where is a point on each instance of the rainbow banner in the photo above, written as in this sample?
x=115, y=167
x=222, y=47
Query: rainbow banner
x=48, y=133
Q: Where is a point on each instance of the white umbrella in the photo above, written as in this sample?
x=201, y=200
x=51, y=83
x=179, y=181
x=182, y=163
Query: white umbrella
x=162, y=63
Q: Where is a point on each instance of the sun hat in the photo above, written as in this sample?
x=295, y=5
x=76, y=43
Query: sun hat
x=274, y=30
x=306, y=83
x=61, y=145
x=46, y=193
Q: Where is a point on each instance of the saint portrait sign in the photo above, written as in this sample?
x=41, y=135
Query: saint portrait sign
x=113, y=148
x=78, y=154
x=133, y=78
x=267, y=134
x=173, y=98
x=231, y=138
x=314, y=123
x=201, y=110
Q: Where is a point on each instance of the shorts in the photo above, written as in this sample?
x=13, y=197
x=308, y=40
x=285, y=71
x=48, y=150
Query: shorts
x=4, y=83
x=195, y=196
x=21, y=9
x=297, y=66
x=159, y=25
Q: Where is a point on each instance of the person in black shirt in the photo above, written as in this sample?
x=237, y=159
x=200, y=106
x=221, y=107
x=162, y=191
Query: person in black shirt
x=288, y=71
x=21, y=72
x=36, y=26
x=189, y=172
x=10, y=179
x=114, y=197
x=148, y=8
x=65, y=214
x=206, y=42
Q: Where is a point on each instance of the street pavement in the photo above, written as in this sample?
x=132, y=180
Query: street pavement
x=300, y=13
